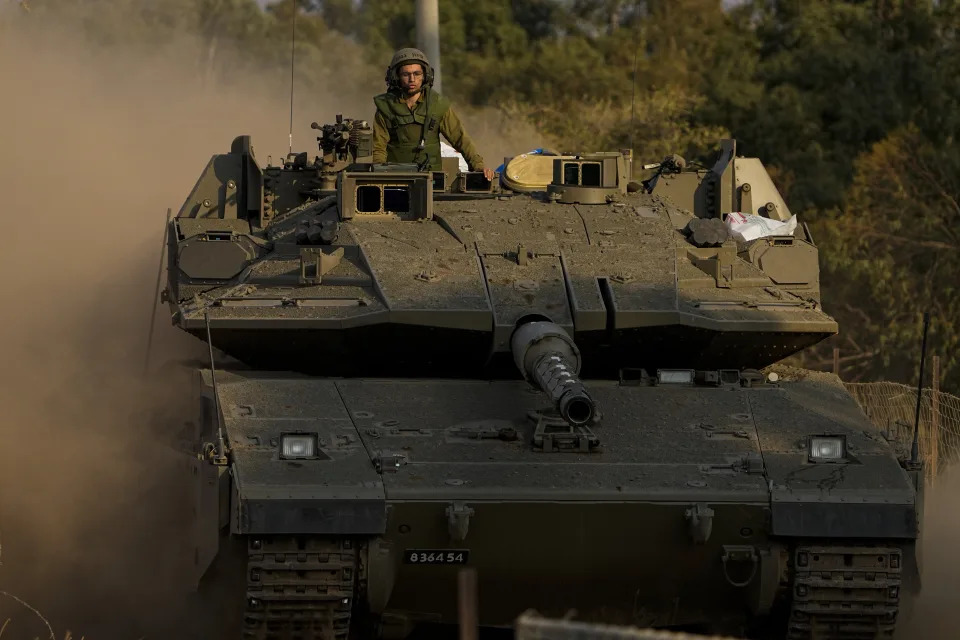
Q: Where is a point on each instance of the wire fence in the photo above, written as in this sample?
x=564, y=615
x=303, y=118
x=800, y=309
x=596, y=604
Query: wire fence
x=892, y=408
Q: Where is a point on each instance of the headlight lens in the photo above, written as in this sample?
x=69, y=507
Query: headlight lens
x=828, y=448
x=675, y=376
x=298, y=445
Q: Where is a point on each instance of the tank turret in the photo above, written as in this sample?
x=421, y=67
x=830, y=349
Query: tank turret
x=637, y=277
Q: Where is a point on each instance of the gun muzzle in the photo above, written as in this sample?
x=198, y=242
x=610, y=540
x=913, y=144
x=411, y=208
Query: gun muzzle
x=549, y=360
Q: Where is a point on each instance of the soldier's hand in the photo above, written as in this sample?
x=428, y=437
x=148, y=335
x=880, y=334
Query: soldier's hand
x=488, y=174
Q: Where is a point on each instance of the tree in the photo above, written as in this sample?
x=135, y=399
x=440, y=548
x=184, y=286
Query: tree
x=838, y=76
x=894, y=253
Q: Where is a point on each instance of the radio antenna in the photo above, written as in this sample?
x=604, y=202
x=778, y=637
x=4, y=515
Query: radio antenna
x=915, y=445
x=633, y=97
x=220, y=455
x=293, y=51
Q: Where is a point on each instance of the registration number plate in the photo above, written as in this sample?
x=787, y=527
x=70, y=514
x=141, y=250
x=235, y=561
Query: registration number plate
x=436, y=556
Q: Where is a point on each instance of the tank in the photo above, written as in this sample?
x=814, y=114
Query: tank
x=561, y=379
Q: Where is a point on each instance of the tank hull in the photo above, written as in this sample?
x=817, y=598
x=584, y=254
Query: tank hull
x=692, y=509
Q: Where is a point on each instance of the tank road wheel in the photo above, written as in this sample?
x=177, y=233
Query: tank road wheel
x=300, y=588
x=844, y=593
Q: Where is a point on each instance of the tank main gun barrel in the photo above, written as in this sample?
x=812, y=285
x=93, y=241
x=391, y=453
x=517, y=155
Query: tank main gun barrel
x=549, y=360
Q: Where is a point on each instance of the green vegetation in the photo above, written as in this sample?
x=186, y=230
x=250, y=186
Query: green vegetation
x=852, y=104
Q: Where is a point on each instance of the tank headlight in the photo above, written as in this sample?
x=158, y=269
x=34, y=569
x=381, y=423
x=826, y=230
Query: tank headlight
x=674, y=376
x=827, y=448
x=298, y=446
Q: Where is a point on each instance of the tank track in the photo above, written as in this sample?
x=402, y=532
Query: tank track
x=844, y=592
x=300, y=588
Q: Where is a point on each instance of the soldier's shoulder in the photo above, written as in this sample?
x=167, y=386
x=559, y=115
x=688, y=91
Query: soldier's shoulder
x=442, y=103
x=387, y=97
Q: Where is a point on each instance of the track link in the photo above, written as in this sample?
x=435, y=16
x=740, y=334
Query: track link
x=299, y=588
x=844, y=593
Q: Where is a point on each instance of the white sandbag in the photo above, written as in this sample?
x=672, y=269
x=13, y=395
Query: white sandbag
x=745, y=227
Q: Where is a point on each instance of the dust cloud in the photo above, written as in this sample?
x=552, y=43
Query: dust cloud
x=95, y=144
x=935, y=615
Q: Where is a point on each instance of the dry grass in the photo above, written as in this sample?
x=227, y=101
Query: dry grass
x=33, y=610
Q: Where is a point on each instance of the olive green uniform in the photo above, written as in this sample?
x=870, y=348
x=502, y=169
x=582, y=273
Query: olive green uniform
x=397, y=129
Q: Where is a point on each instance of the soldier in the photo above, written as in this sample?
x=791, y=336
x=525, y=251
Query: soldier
x=411, y=116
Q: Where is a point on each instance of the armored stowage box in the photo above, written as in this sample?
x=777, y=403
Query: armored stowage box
x=558, y=388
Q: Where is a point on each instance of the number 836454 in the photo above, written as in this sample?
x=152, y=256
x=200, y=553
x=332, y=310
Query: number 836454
x=436, y=556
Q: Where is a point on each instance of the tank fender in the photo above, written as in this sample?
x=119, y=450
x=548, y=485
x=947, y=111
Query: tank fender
x=381, y=573
x=763, y=590
x=212, y=507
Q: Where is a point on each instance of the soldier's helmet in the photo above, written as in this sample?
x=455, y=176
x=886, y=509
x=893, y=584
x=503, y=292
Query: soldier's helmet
x=408, y=56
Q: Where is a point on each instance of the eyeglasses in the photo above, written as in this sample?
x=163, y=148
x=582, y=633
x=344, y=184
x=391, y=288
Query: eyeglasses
x=416, y=74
